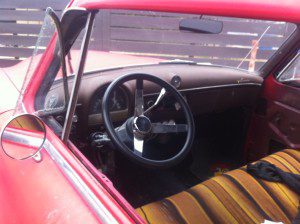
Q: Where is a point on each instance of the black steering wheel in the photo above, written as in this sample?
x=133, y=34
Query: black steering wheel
x=137, y=128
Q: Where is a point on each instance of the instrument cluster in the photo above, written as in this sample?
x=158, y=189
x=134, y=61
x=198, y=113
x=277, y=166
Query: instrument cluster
x=118, y=101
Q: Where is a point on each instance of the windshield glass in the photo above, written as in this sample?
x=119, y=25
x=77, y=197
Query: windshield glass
x=125, y=37
x=47, y=101
x=46, y=34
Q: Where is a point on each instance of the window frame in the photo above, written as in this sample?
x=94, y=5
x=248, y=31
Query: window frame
x=286, y=68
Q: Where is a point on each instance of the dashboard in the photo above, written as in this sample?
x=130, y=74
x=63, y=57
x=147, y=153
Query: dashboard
x=206, y=88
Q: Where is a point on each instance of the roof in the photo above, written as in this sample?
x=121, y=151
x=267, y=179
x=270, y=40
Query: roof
x=287, y=10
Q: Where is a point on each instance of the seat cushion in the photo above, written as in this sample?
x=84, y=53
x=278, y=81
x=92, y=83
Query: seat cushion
x=234, y=197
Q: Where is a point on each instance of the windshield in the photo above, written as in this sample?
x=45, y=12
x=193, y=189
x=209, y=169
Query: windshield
x=46, y=103
x=46, y=34
x=136, y=37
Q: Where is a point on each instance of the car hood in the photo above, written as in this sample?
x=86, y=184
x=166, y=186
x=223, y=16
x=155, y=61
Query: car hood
x=12, y=78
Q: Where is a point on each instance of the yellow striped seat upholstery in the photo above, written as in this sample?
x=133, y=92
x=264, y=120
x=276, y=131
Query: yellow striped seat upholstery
x=234, y=197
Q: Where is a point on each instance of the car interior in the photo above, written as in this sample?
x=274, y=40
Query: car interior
x=221, y=100
x=188, y=122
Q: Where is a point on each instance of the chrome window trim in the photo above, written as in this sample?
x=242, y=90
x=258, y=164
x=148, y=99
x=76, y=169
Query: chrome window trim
x=22, y=139
x=101, y=211
x=279, y=79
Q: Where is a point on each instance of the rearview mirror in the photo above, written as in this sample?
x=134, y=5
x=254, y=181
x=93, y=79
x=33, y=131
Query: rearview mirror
x=23, y=137
x=201, y=25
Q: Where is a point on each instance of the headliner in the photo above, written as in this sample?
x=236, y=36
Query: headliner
x=287, y=10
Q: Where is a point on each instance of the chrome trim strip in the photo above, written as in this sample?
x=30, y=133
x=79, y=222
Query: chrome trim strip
x=221, y=86
x=101, y=211
x=11, y=137
x=23, y=139
x=214, y=87
x=90, y=198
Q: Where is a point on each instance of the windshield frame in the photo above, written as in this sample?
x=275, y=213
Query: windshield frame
x=75, y=91
x=69, y=16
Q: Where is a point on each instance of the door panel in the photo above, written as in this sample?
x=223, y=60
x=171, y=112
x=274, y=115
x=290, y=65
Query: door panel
x=54, y=190
x=276, y=121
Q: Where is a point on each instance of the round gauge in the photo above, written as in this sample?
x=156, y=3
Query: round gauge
x=96, y=106
x=118, y=101
x=176, y=81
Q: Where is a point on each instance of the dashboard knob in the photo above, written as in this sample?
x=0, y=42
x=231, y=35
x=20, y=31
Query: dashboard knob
x=176, y=81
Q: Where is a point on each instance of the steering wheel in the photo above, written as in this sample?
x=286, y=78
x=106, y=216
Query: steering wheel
x=129, y=138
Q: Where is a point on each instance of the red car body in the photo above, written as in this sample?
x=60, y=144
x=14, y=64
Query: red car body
x=61, y=189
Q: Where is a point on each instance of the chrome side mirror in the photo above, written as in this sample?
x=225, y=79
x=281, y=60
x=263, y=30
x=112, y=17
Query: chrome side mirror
x=23, y=137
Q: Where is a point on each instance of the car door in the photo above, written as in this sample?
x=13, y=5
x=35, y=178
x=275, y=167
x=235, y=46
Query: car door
x=275, y=124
